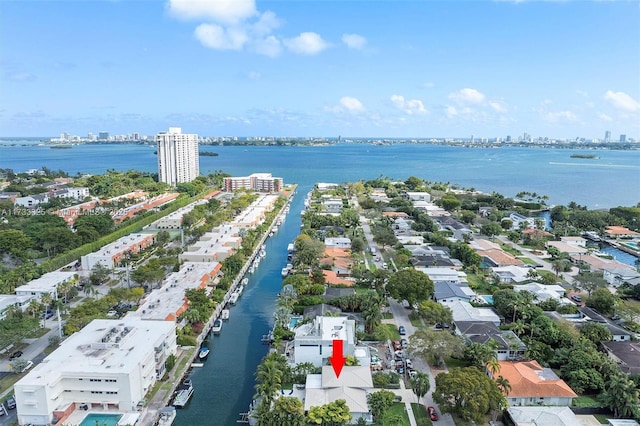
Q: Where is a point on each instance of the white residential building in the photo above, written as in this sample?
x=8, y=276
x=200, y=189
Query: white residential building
x=337, y=242
x=314, y=341
x=8, y=301
x=261, y=182
x=444, y=274
x=109, y=364
x=463, y=311
x=178, y=158
x=46, y=284
x=112, y=254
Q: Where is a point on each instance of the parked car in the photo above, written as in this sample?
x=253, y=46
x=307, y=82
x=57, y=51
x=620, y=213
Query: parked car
x=47, y=314
x=408, y=363
x=396, y=345
x=576, y=298
x=432, y=413
x=16, y=354
x=11, y=402
x=402, y=330
x=404, y=343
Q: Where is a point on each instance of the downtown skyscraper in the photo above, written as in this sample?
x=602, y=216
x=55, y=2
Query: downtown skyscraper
x=178, y=159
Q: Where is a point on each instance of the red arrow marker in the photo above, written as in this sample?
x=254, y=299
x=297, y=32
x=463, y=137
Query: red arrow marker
x=337, y=360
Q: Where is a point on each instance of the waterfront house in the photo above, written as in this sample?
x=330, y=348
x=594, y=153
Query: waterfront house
x=616, y=232
x=353, y=385
x=572, y=250
x=519, y=221
x=532, y=384
x=314, y=341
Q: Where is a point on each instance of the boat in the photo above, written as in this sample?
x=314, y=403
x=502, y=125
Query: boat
x=284, y=272
x=244, y=281
x=184, y=394
x=239, y=290
x=275, y=229
x=263, y=253
x=224, y=314
x=217, y=326
x=203, y=354
x=167, y=416
x=233, y=299
x=251, y=270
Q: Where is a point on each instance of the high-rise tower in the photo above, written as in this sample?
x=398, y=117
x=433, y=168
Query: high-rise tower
x=178, y=159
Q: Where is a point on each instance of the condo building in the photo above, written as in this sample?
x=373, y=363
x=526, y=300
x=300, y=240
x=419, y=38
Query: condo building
x=261, y=182
x=178, y=159
x=108, y=365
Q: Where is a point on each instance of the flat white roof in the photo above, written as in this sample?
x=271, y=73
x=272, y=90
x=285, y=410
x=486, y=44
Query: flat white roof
x=102, y=347
x=166, y=300
x=121, y=244
x=46, y=283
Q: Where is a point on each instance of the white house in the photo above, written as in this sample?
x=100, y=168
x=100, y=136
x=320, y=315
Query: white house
x=419, y=196
x=8, y=301
x=463, y=311
x=353, y=385
x=109, y=364
x=444, y=274
x=337, y=242
x=445, y=291
x=544, y=292
x=616, y=276
x=314, y=341
x=511, y=273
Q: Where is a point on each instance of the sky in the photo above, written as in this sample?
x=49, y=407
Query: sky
x=354, y=68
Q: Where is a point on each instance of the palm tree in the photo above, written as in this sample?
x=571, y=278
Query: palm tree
x=420, y=384
x=269, y=378
x=504, y=385
x=46, y=299
x=493, y=365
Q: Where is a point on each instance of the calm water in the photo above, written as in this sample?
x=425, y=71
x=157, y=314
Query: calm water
x=611, y=180
x=224, y=386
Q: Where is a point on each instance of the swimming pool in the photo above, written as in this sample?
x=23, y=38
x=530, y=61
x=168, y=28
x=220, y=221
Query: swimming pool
x=98, y=419
x=631, y=244
x=293, y=321
x=488, y=299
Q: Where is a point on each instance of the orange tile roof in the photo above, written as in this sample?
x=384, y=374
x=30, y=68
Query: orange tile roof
x=331, y=277
x=336, y=252
x=500, y=257
x=526, y=381
x=394, y=214
x=619, y=230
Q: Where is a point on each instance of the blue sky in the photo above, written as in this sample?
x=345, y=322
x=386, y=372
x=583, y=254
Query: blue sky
x=321, y=68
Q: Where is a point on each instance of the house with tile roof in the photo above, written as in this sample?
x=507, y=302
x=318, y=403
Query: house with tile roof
x=353, y=385
x=620, y=232
x=532, y=384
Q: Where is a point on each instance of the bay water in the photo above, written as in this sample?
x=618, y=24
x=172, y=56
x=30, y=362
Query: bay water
x=224, y=385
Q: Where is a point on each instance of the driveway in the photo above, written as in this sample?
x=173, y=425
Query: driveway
x=401, y=317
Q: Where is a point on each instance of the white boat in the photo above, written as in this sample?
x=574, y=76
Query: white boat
x=263, y=254
x=184, y=394
x=239, y=290
x=284, y=272
x=274, y=229
x=167, y=416
x=233, y=299
x=203, y=354
x=224, y=314
x=244, y=281
x=251, y=270
x=217, y=327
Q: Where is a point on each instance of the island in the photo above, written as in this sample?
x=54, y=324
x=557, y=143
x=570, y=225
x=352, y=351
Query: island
x=589, y=156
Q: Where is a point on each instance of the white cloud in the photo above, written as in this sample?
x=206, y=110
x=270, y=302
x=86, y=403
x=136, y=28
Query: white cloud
x=560, y=117
x=220, y=38
x=354, y=41
x=498, y=107
x=222, y=11
x=451, y=111
x=604, y=117
x=307, y=43
x=467, y=96
x=267, y=22
x=269, y=46
x=346, y=104
x=621, y=101
x=351, y=104
x=411, y=107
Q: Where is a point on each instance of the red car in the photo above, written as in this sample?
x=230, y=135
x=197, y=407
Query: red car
x=432, y=413
x=397, y=346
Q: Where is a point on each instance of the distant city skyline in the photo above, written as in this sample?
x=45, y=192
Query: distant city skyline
x=402, y=69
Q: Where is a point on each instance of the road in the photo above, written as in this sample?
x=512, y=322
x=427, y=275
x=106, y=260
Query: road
x=401, y=317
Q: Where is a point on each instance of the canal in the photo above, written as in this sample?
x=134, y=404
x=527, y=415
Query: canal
x=224, y=385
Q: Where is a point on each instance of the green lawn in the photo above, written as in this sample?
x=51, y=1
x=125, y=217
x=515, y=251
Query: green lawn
x=420, y=412
x=397, y=409
x=390, y=331
x=586, y=401
x=387, y=315
x=454, y=362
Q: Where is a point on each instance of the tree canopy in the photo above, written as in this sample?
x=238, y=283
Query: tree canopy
x=410, y=285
